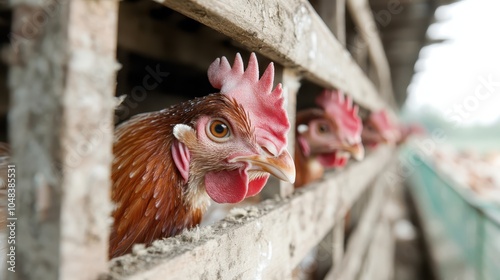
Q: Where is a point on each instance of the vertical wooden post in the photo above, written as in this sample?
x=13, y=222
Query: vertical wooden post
x=61, y=129
x=333, y=14
x=339, y=29
x=379, y=68
x=291, y=84
x=359, y=51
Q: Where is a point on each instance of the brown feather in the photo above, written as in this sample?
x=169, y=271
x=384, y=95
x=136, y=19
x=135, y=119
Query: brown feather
x=307, y=169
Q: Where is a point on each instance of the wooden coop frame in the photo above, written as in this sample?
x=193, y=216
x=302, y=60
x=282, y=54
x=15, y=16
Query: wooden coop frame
x=65, y=207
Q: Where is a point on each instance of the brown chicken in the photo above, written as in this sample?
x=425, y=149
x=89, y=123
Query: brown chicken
x=326, y=137
x=168, y=164
x=378, y=129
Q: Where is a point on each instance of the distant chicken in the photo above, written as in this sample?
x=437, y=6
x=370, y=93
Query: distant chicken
x=168, y=164
x=407, y=130
x=378, y=129
x=326, y=137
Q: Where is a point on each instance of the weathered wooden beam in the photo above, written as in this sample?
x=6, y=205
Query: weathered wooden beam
x=366, y=26
x=290, y=33
x=266, y=241
x=61, y=130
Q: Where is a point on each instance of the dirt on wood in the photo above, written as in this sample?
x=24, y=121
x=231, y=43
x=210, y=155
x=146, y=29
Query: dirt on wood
x=143, y=258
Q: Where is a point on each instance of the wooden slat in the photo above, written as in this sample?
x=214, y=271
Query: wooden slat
x=362, y=236
x=289, y=33
x=269, y=243
x=339, y=25
x=380, y=256
x=338, y=242
x=359, y=51
x=366, y=26
x=61, y=129
x=333, y=14
x=379, y=261
x=291, y=84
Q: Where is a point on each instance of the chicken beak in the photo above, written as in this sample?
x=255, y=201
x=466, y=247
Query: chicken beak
x=388, y=138
x=357, y=151
x=281, y=166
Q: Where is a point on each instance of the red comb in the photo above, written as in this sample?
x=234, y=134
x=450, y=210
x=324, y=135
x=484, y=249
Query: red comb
x=341, y=109
x=381, y=120
x=264, y=105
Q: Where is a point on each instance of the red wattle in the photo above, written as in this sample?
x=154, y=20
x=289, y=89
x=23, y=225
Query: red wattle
x=342, y=161
x=256, y=185
x=227, y=186
x=328, y=160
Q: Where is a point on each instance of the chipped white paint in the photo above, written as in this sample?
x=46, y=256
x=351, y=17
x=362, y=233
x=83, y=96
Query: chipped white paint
x=302, y=22
x=265, y=255
x=265, y=248
x=83, y=60
x=314, y=46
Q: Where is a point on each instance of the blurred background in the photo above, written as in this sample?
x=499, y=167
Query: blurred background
x=454, y=171
x=457, y=81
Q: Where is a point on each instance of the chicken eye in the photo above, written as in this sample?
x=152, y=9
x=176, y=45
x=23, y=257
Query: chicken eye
x=323, y=128
x=218, y=130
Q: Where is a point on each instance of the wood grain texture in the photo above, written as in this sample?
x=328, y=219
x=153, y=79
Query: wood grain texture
x=290, y=33
x=268, y=243
x=61, y=128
